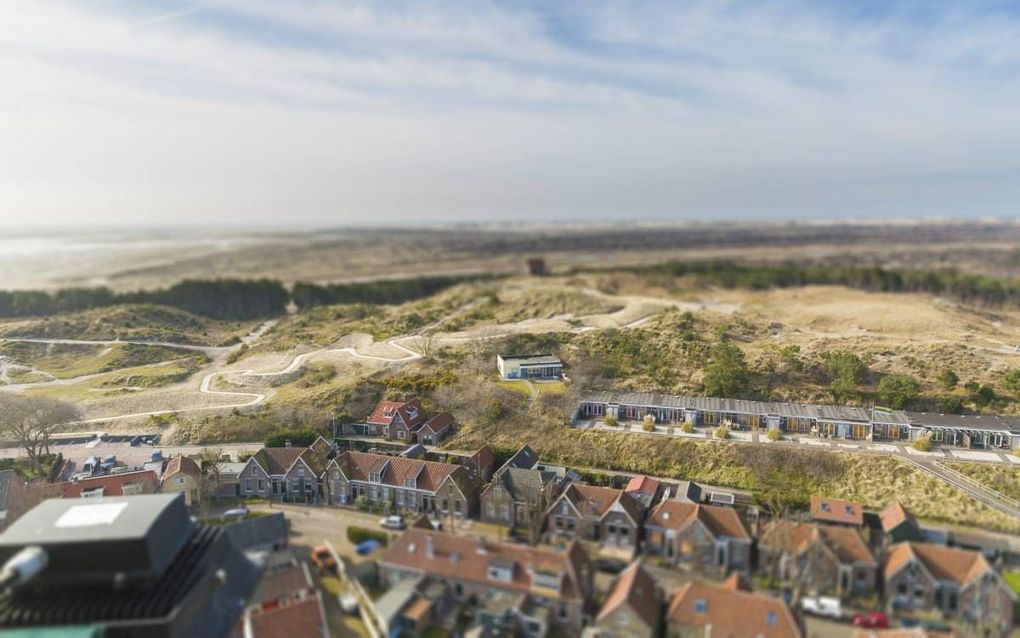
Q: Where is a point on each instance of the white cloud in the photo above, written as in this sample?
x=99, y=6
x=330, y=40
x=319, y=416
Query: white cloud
x=341, y=113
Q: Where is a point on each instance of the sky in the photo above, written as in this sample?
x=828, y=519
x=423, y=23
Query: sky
x=308, y=113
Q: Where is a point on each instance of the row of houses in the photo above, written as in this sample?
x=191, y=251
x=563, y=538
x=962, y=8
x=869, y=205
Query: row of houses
x=512, y=589
x=834, y=421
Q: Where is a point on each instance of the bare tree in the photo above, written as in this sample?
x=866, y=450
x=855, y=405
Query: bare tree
x=31, y=421
x=211, y=464
x=427, y=346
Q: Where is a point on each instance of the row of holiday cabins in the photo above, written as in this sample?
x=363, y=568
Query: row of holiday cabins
x=833, y=421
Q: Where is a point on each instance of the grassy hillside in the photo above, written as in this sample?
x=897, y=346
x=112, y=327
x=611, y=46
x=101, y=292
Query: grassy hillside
x=65, y=361
x=130, y=322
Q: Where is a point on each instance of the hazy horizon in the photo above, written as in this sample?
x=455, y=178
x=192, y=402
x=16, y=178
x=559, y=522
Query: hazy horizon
x=309, y=115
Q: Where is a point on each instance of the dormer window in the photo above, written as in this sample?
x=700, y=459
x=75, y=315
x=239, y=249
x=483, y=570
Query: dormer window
x=388, y=412
x=771, y=619
x=849, y=509
x=501, y=570
x=409, y=482
x=375, y=477
x=825, y=506
x=701, y=605
x=413, y=413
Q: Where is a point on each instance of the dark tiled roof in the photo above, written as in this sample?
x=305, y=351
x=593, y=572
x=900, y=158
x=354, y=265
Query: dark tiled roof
x=522, y=485
x=261, y=531
x=524, y=458
x=438, y=423
x=277, y=460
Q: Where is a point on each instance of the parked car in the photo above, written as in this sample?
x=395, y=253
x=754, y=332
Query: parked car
x=323, y=558
x=136, y=441
x=364, y=548
x=157, y=455
x=871, y=620
x=610, y=565
x=392, y=522
x=109, y=462
x=91, y=465
x=822, y=606
x=236, y=513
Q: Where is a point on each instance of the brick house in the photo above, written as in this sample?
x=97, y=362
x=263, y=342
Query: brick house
x=436, y=429
x=182, y=474
x=405, y=484
x=959, y=583
x=518, y=498
x=708, y=539
x=288, y=473
x=821, y=559
x=899, y=525
x=588, y=512
x=395, y=420
x=700, y=610
x=632, y=609
x=550, y=589
x=645, y=489
x=126, y=484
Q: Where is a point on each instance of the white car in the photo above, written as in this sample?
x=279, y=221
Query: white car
x=392, y=522
x=822, y=606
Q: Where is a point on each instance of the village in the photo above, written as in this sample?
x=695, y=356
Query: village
x=374, y=529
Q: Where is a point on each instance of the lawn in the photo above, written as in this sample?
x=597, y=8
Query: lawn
x=66, y=361
x=1012, y=578
x=127, y=380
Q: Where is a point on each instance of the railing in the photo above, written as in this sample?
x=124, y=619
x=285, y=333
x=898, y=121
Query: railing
x=978, y=485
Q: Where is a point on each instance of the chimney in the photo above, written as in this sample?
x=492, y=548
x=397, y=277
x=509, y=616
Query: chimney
x=430, y=546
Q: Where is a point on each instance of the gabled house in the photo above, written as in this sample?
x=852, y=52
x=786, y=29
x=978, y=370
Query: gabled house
x=821, y=559
x=523, y=459
x=518, y=498
x=288, y=473
x=704, y=538
x=701, y=610
x=404, y=484
x=436, y=429
x=13, y=498
x=959, y=583
x=899, y=525
x=632, y=608
x=482, y=463
x=182, y=474
x=548, y=589
x=645, y=490
x=836, y=511
x=396, y=420
x=604, y=515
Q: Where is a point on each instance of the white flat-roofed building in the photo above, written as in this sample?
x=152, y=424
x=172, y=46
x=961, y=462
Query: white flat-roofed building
x=529, y=366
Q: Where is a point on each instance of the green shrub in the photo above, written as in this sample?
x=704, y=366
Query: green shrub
x=775, y=435
x=648, y=424
x=361, y=534
x=687, y=427
x=611, y=421
x=922, y=443
x=722, y=432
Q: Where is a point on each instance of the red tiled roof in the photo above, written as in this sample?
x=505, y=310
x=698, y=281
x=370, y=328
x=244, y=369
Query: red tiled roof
x=596, y=501
x=181, y=463
x=438, y=423
x=411, y=413
x=466, y=558
x=836, y=510
x=732, y=614
x=297, y=620
x=112, y=484
x=721, y=521
x=635, y=587
x=794, y=538
x=483, y=459
x=643, y=484
x=894, y=516
x=944, y=563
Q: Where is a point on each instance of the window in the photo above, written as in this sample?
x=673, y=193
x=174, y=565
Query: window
x=262, y=485
x=375, y=477
x=490, y=509
x=409, y=482
x=400, y=434
x=701, y=605
x=132, y=488
x=95, y=492
x=400, y=497
x=456, y=506
x=771, y=619
x=247, y=484
x=564, y=611
x=294, y=487
x=179, y=480
x=386, y=493
x=301, y=472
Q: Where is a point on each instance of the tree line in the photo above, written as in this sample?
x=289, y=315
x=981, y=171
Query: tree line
x=235, y=299
x=386, y=291
x=949, y=283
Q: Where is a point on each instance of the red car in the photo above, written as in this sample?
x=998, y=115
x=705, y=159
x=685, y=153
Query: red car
x=871, y=620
